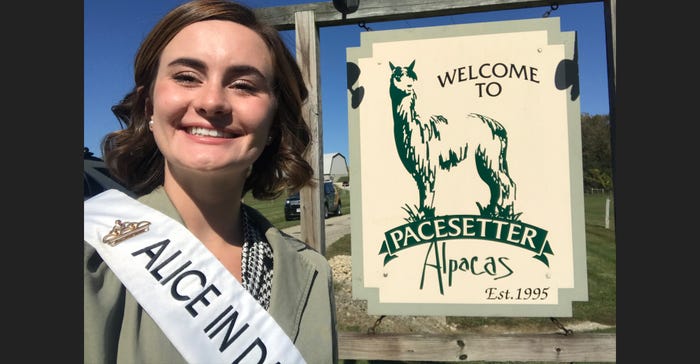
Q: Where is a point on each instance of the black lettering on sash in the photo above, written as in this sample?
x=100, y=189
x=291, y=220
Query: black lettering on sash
x=161, y=245
x=176, y=272
x=155, y=256
x=201, y=298
x=155, y=272
x=206, y=329
x=173, y=290
x=231, y=321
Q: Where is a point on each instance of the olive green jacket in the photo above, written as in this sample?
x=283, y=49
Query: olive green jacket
x=118, y=330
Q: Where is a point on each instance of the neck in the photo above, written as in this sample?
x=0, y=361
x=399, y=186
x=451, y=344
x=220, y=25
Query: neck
x=211, y=213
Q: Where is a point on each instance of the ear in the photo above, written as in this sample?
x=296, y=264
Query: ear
x=410, y=67
x=391, y=65
x=148, y=107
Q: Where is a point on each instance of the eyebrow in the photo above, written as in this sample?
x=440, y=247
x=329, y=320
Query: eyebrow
x=233, y=70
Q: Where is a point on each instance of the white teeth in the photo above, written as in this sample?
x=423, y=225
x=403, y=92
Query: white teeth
x=208, y=132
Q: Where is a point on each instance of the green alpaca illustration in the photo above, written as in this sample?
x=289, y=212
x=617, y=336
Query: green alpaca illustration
x=422, y=148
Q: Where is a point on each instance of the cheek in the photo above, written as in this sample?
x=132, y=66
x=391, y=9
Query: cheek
x=167, y=100
x=260, y=114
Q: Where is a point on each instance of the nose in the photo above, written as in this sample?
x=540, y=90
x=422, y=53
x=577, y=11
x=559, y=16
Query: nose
x=213, y=100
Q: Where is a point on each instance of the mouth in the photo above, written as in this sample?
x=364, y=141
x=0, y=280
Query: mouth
x=193, y=130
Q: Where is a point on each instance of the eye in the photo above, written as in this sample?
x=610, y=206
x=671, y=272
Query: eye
x=244, y=85
x=186, y=78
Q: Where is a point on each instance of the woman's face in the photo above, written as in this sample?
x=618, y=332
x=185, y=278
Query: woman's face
x=212, y=101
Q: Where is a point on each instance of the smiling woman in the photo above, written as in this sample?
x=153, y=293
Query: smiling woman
x=215, y=113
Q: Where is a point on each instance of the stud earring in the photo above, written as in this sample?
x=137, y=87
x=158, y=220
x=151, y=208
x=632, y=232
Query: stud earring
x=150, y=122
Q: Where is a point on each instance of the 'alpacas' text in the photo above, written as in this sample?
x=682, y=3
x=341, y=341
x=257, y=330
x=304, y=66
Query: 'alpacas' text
x=436, y=261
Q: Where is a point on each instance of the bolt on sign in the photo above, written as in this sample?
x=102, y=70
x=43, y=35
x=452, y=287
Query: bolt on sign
x=467, y=189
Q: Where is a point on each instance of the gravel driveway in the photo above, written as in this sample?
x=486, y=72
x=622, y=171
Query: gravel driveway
x=336, y=228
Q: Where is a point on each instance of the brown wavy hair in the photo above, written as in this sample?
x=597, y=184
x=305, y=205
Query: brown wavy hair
x=131, y=154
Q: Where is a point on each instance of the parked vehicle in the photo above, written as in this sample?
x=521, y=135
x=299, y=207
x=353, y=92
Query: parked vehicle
x=332, y=204
x=96, y=177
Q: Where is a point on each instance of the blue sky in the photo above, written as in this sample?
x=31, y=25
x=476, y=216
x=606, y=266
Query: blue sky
x=114, y=29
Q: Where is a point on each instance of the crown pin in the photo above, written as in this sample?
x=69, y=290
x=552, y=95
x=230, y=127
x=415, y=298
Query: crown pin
x=124, y=230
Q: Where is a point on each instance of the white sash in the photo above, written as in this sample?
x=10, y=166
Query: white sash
x=204, y=311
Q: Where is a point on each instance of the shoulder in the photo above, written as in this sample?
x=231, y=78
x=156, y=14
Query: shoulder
x=158, y=199
x=303, y=252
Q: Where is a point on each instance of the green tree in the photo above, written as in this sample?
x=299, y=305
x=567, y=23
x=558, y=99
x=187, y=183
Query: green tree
x=596, y=151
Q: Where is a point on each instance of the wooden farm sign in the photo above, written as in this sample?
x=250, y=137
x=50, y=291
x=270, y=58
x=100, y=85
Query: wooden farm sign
x=467, y=185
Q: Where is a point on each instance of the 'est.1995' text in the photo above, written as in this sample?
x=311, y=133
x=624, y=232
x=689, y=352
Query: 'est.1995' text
x=521, y=294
